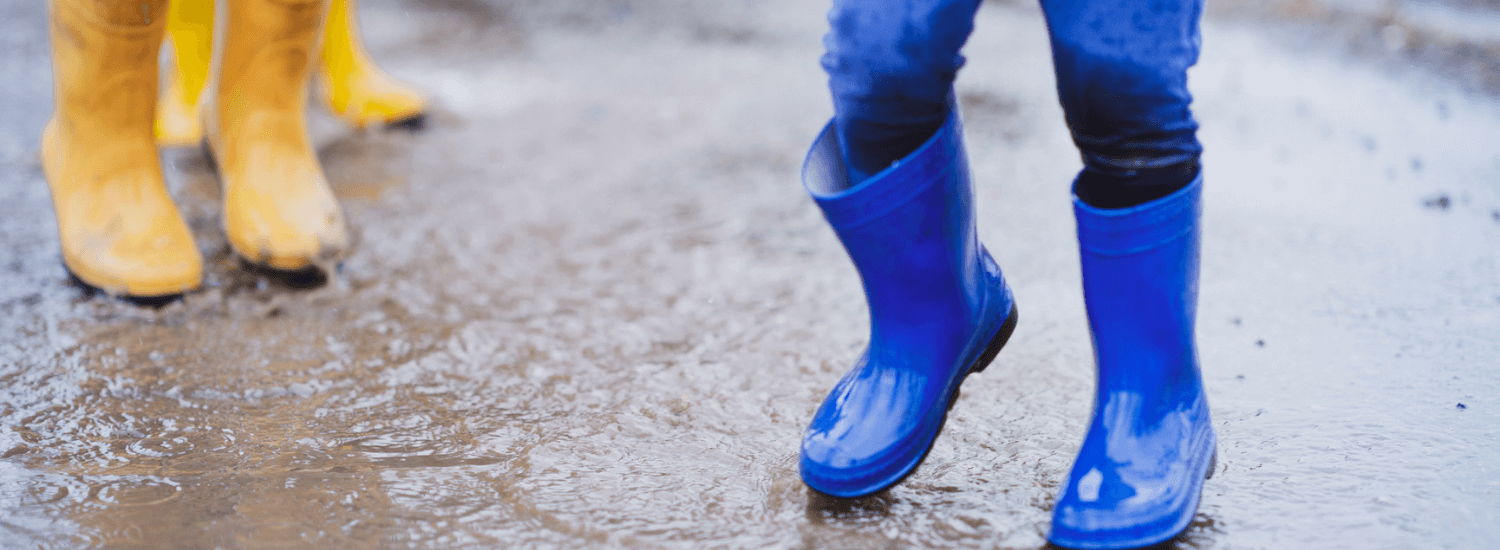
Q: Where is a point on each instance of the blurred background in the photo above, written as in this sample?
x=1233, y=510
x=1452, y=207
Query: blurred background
x=589, y=303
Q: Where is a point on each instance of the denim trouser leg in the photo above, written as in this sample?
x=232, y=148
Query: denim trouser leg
x=1122, y=80
x=891, y=65
x=1121, y=77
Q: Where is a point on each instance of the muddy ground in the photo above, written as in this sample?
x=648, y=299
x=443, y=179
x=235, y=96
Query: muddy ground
x=589, y=304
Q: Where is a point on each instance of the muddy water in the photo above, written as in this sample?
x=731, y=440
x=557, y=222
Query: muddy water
x=589, y=305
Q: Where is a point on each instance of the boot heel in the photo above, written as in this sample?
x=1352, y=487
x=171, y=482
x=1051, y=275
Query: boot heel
x=1001, y=337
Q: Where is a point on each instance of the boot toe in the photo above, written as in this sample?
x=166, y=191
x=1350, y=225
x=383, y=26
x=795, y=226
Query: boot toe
x=166, y=279
x=1133, y=489
x=310, y=239
x=389, y=101
x=828, y=466
x=872, y=430
x=1112, y=514
x=305, y=250
x=144, y=266
x=281, y=213
x=373, y=99
x=290, y=245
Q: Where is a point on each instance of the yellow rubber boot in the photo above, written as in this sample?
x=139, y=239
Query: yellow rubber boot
x=350, y=83
x=120, y=231
x=278, y=209
x=190, y=33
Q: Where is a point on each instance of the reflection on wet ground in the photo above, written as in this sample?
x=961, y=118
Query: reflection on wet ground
x=589, y=305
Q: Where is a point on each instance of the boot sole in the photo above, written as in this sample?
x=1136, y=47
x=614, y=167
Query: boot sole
x=91, y=290
x=1002, y=336
x=411, y=123
x=990, y=351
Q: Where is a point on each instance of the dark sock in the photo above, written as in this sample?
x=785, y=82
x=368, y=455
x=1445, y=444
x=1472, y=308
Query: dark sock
x=1101, y=190
x=870, y=148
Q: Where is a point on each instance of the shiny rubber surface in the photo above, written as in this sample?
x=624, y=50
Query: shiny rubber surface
x=936, y=300
x=1139, y=474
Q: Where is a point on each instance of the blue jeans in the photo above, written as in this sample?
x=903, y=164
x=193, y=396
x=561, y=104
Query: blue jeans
x=1121, y=77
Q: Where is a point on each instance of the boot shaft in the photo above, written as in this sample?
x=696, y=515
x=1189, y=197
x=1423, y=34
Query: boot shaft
x=909, y=231
x=1140, y=286
x=190, y=30
x=264, y=54
x=262, y=63
x=343, y=53
x=105, y=73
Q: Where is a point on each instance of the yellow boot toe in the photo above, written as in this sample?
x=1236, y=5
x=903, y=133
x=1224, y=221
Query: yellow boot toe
x=352, y=85
x=279, y=211
x=119, y=230
x=371, y=98
x=146, y=264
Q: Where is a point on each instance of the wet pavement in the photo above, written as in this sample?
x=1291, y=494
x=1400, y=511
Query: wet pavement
x=589, y=305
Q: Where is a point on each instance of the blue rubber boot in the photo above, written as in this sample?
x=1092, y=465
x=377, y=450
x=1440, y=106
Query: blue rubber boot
x=939, y=310
x=1150, y=445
